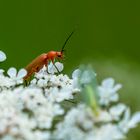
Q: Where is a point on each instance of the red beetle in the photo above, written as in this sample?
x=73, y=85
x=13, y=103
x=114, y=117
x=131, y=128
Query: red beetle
x=44, y=59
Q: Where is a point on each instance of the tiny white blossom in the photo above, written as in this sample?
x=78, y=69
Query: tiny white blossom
x=52, y=69
x=76, y=73
x=103, y=116
x=134, y=120
x=42, y=135
x=109, y=132
x=78, y=121
x=75, y=77
x=5, y=82
x=116, y=111
x=108, y=91
x=42, y=73
x=17, y=77
x=1, y=71
x=57, y=88
x=2, y=56
x=59, y=95
x=83, y=123
x=129, y=122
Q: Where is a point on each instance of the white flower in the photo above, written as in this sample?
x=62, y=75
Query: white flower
x=58, y=95
x=1, y=71
x=129, y=122
x=116, y=111
x=2, y=56
x=5, y=82
x=49, y=70
x=42, y=73
x=109, y=132
x=76, y=73
x=103, y=116
x=84, y=77
x=17, y=77
x=78, y=124
x=75, y=77
x=42, y=135
x=134, y=120
x=57, y=88
x=52, y=69
x=108, y=91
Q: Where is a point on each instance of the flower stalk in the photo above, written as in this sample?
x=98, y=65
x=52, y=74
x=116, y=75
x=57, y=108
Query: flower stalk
x=91, y=98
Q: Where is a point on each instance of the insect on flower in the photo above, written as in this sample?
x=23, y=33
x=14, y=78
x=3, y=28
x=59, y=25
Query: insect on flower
x=44, y=59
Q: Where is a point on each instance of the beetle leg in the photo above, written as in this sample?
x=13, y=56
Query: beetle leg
x=26, y=83
x=46, y=64
x=48, y=71
x=55, y=66
x=58, y=59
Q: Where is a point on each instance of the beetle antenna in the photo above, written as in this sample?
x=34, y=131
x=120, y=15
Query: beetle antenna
x=67, y=41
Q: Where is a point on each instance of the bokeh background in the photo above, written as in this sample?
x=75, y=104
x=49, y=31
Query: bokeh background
x=107, y=36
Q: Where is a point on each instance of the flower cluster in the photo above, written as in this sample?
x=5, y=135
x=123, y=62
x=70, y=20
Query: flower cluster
x=108, y=124
x=97, y=118
x=38, y=111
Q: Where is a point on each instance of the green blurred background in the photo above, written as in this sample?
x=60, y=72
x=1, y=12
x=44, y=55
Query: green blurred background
x=107, y=36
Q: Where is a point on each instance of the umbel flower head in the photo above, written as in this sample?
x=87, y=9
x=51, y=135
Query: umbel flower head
x=56, y=107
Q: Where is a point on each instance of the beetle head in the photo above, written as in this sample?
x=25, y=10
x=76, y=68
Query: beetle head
x=60, y=55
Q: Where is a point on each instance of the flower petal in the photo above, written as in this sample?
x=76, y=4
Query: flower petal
x=116, y=111
x=134, y=120
x=2, y=56
x=60, y=66
x=1, y=71
x=76, y=73
x=21, y=73
x=123, y=125
x=108, y=83
x=12, y=72
x=117, y=87
x=51, y=68
x=114, y=98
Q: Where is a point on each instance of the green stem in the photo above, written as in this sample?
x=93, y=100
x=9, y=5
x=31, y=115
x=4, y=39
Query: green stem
x=92, y=98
